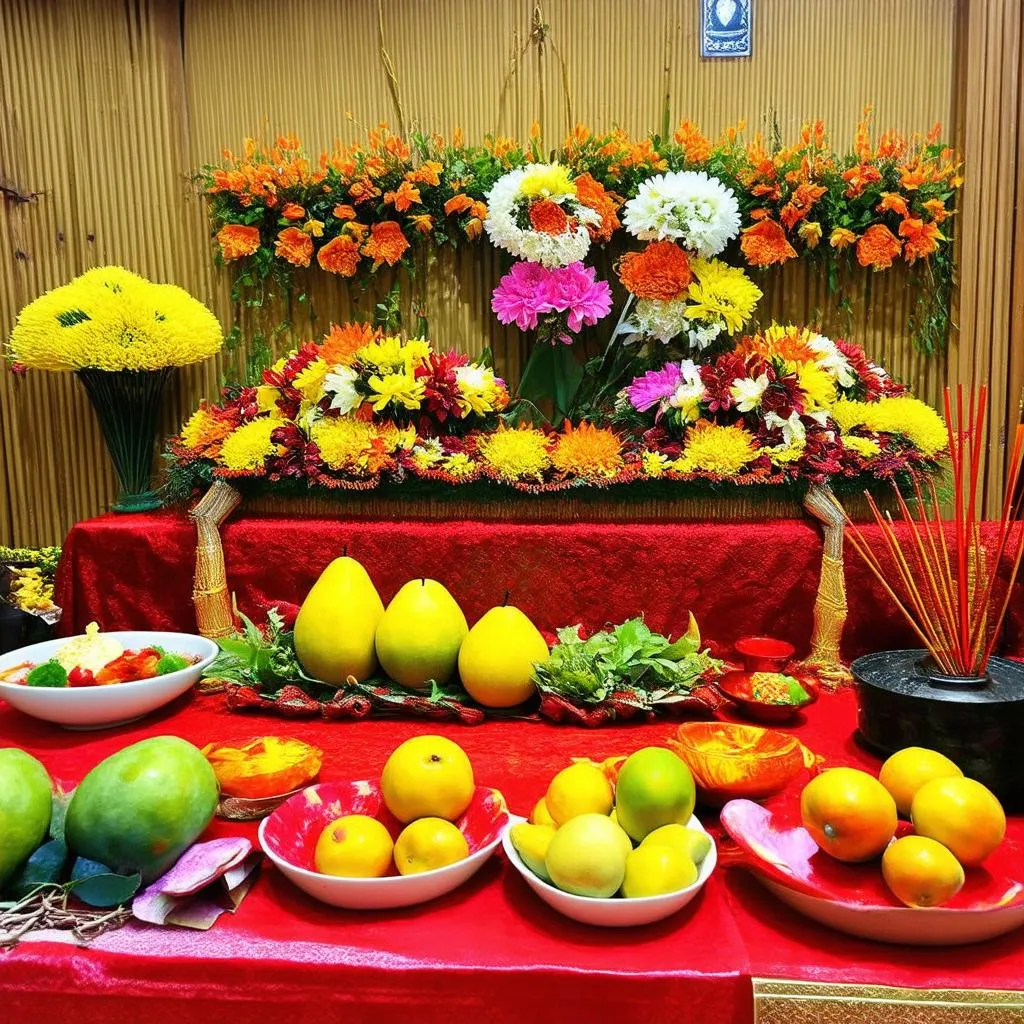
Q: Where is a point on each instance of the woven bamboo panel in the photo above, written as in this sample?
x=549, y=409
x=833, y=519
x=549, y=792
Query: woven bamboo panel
x=108, y=108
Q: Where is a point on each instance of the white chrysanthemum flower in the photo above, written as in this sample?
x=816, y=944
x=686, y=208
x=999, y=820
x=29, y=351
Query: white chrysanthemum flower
x=832, y=361
x=687, y=206
x=747, y=392
x=475, y=377
x=340, y=382
x=702, y=336
x=690, y=393
x=660, y=319
x=793, y=430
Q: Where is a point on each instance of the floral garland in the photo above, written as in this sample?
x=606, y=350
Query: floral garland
x=359, y=409
x=362, y=207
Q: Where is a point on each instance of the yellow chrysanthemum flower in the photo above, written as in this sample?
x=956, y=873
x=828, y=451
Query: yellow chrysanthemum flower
x=550, y=180
x=395, y=437
x=386, y=355
x=711, y=448
x=459, y=464
x=247, y=447
x=415, y=353
x=865, y=446
x=516, y=454
x=197, y=428
x=343, y=442
x=721, y=294
x=654, y=464
x=401, y=388
x=786, y=453
x=112, y=319
x=478, y=389
x=818, y=386
x=587, y=451
x=310, y=382
x=915, y=420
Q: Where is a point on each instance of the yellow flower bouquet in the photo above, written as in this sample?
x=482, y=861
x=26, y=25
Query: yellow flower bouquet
x=122, y=336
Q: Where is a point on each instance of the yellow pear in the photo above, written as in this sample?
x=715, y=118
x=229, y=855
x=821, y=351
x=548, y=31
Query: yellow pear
x=337, y=623
x=531, y=843
x=419, y=636
x=497, y=657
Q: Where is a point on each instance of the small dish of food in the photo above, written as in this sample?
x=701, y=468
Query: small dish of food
x=767, y=696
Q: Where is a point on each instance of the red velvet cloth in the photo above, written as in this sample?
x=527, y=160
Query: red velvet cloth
x=491, y=948
x=135, y=572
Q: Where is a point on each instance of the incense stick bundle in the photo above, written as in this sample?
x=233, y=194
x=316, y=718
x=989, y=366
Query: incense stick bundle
x=947, y=587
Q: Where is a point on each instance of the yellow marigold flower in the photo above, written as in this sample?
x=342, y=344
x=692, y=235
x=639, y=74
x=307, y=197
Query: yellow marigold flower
x=654, y=464
x=810, y=232
x=401, y=388
x=112, y=319
x=344, y=443
x=266, y=399
x=459, y=464
x=711, y=448
x=917, y=421
x=818, y=386
x=547, y=180
x=587, y=451
x=841, y=238
x=314, y=228
x=310, y=382
x=515, y=454
x=721, y=293
x=864, y=446
x=248, y=446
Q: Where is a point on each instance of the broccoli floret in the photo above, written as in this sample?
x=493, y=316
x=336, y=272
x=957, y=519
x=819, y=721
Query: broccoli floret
x=171, y=663
x=50, y=673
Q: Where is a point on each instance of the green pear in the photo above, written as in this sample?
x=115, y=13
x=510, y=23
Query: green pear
x=419, y=636
x=337, y=623
x=25, y=805
x=497, y=657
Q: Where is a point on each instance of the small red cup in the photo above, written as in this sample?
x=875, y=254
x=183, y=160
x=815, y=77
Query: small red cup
x=764, y=653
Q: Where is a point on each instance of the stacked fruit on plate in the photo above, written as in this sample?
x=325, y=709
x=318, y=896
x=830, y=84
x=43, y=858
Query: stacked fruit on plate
x=599, y=833
x=956, y=822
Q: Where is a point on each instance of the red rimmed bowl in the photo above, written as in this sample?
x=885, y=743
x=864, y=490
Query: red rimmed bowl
x=290, y=834
x=764, y=653
x=738, y=687
x=854, y=898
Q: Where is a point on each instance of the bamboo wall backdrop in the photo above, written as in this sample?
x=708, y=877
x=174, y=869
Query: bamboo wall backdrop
x=108, y=108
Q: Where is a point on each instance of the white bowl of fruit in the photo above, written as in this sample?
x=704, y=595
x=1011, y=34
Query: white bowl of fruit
x=615, y=855
x=419, y=833
x=102, y=679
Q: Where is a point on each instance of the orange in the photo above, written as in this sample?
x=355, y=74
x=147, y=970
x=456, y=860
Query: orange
x=427, y=844
x=582, y=788
x=849, y=813
x=962, y=815
x=427, y=777
x=921, y=872
x=356, y=846
x=909, y=769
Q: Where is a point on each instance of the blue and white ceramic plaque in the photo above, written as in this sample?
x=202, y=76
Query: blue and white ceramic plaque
x=725, y=28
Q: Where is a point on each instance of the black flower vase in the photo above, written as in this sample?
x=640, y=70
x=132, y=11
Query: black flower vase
x=127, y=404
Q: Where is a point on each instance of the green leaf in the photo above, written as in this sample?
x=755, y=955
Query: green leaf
x=97, y=885
x=551, y=372
x=682, y=648
x=44, y=867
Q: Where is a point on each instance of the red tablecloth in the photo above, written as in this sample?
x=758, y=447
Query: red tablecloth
x=135, y=572
x=491, y=949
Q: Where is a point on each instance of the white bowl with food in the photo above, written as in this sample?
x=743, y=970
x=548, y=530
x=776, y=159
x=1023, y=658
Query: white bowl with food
x=97, y=680
x=614, y=911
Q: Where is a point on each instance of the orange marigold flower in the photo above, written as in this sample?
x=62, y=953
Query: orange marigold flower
x=893, y=202
x=922, y=239
x=862, y=139
x=292, y=211
x=696, y=146
x=363, y=189
x=428, y=173
x=765, y=243
x=474, y=226
x=238, y=240
x=478, y=209
x=661, y=271
x=912, y=178
x=591, y=192
x=295, y=246
x=548, y=217
x=355, y=229
x=340, y=256
x=859, y=178
x=810, y=232
x=799, y=205
x=891, y=146
x=344, y=212
x=760, y=213
x=587, y=451
x=403, y=197
x=343, y=341
x=422, y=222
x=878, y=247
x=387, y=243
x=458, y=204
x=771, y=191
x=936, y=209
x=841, y=238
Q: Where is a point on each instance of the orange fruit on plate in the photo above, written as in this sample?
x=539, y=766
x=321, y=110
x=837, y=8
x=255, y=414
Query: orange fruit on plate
x=849, y=813
x=909, y=769
x=961, y=814
x=427, y=777
x=582, y=788
x=355, y=846
x=921, y=872
x=428, y=844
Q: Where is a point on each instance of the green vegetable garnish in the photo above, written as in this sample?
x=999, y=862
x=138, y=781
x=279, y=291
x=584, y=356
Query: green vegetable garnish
x=50, y=673
x=171, y=663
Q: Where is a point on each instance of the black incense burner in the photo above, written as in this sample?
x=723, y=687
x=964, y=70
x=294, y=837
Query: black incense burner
x=977, y=722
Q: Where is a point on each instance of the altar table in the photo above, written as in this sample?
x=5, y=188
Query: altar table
x=491, y=951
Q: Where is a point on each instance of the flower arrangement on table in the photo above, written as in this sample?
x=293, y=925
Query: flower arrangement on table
x=360, y=207
x=122, y=336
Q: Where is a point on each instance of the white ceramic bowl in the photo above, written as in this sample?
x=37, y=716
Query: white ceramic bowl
x=97, y=707
x=288, y=835
x=613, y=912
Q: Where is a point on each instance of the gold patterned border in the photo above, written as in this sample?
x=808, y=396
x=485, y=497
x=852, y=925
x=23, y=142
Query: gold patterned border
x=779, y=1001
